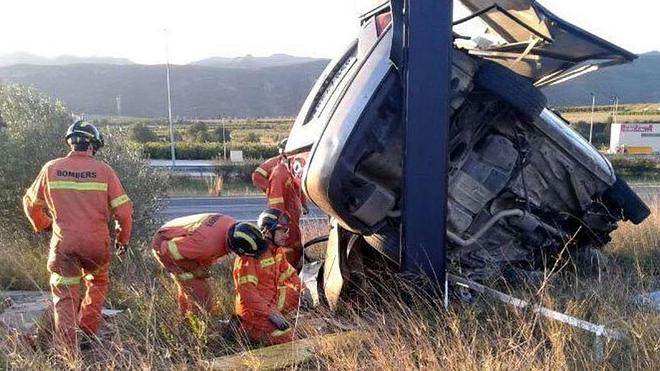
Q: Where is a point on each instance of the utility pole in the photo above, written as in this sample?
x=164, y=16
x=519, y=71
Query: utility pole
x=118, y=99
x=169, y=101
x=591, y=126
x=224, y=145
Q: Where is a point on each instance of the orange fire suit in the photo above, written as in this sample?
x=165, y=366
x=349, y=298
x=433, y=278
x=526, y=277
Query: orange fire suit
x=261, y=174
x=284, y=193
x=81, y=193
x=263, y=286
x=187, y=247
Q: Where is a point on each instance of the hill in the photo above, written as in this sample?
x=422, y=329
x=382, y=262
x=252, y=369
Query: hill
x=27, y=58
x=637, y=82
x=197, y=91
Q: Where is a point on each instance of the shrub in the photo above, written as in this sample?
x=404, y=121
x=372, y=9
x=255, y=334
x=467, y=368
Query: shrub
x=197, y=132
x=252, y=137
x=207, y=151
x=141, y=133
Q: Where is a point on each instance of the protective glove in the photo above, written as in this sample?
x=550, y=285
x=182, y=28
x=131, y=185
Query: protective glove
x=120, y=249
x=279, y=321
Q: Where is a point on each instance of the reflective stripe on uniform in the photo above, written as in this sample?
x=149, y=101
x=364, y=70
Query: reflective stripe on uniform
x=174, y=250
x=287, y=274
x=118, y=201
x=157, y=257
x=78, y=186
x=276, y=200
x=247, y=238
x=186, y=276
x=280, y=332
x=267, y=262
x=282, y=298
x=248, y=279
x=262, y=172
x=57, y=280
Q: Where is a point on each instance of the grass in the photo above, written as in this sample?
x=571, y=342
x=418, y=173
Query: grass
x=404, y=328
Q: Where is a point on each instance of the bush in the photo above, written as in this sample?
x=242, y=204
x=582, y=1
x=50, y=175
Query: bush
x=141, y=133
x=252, y=137
x=197, y=132
x=34, y=135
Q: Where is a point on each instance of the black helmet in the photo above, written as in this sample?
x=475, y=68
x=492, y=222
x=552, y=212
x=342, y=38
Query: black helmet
x=270, y=219
x=84, y=132
x=245, y=239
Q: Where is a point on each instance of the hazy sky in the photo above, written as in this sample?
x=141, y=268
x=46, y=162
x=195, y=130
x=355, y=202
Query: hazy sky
x=199, y=29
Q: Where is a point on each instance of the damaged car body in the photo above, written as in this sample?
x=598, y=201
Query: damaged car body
x=522, y=185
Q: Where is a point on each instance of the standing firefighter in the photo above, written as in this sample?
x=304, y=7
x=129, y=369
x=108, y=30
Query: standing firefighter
x=283, y=192
x=267, y=286
x=75, y=196
x=187, y=247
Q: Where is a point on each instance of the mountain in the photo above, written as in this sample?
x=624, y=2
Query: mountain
x=255, y=62
x=197, y=91
x=636, y=82
x=28, y=58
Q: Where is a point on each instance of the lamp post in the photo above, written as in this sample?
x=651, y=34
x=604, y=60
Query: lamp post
x=591, y=125
x=169, y=102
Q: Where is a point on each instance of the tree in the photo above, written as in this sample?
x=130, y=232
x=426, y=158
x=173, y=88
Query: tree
x=197, y=132
x=252, y=137
x=141, y=133
x=217, y=136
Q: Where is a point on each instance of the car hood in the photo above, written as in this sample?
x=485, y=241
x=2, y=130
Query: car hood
x=527, y=38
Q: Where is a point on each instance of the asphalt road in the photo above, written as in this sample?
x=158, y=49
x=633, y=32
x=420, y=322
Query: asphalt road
x=242, y=208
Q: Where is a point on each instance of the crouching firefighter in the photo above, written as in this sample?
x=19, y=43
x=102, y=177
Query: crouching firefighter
x=75, y=196
x=187, y=247
x=267, y=286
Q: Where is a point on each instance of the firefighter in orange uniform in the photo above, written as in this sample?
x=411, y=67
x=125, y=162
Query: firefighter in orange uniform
x=284, y=193
x=267, y=286
x=76, y=196
x=187, y=247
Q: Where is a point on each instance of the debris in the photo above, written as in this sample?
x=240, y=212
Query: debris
x=284, y=355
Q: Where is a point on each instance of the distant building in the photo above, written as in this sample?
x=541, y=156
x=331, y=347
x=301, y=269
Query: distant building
x=635, y=136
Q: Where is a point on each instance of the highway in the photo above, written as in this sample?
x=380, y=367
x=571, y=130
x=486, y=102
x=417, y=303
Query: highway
x=242, y=208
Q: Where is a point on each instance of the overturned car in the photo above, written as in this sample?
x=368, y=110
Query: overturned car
x=522, y=185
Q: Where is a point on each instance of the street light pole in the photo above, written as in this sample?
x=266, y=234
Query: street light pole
x=591, y=126
x=169, y=101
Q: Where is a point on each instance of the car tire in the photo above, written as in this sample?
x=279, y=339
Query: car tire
x=621, y=197
x=512, y=88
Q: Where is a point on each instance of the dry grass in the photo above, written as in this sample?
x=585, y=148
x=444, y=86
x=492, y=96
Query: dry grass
x=405, y=329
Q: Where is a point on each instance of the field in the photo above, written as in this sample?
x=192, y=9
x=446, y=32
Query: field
x=403, y=328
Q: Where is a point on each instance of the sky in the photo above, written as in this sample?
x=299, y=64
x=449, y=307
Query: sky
x=196, y=29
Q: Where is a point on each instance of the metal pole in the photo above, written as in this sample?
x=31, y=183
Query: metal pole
x=426, y=73
x=591, y=126
x=169, y=101
x=224, y=147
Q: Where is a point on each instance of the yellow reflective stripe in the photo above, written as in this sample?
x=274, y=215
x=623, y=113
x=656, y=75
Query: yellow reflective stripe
x=157, y=257
x=187, y=276
x=57, y=280
x=237, y=263
x=267, y=262
x=174, y=250
x=276, y=200
x=262, y=172
x=287, y=274
x=248, y=279
x=78, y=186
x=247, y=238
x=282, y=299
x=119, y=201
x=280, y=332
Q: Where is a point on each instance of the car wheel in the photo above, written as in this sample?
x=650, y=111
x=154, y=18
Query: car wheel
x=620, y=197
x=512, y=88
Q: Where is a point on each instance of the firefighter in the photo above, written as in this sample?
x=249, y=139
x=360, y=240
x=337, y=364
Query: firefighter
x=267, y=286
x=75, y=196
x=284, y=193
x=187, y=247
x=261, y=174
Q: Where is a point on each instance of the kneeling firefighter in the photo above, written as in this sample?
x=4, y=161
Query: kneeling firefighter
x=267, y=286
x=187, y=247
